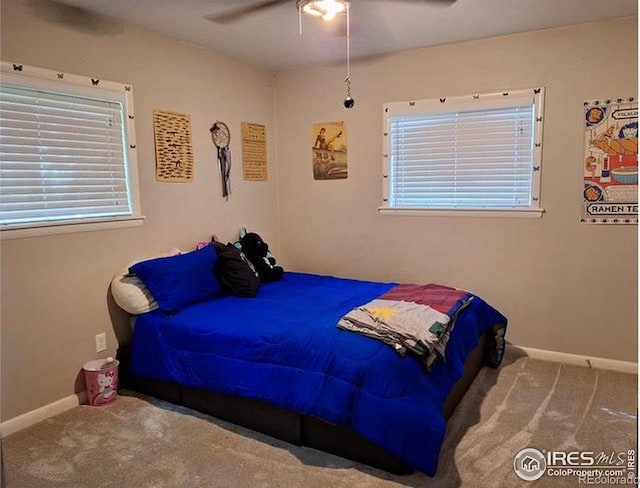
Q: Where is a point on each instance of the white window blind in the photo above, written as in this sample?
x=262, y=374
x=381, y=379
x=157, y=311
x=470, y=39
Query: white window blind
x=472, y=153
x=62, y=157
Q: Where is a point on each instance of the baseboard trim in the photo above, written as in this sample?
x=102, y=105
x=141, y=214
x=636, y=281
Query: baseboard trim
x=25, y=420
x=575, y=359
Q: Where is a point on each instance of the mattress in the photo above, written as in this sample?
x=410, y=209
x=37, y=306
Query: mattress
x=283, y=347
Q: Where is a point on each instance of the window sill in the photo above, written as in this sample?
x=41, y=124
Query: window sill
x=482, y=213
x=70, y=227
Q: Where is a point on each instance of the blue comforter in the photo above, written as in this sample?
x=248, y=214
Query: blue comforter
x=283, y=347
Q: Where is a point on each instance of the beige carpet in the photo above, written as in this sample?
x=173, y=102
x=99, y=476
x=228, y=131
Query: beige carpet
x=141, y=442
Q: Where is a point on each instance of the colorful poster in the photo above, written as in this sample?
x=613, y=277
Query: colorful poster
x=329, y=150
x=610, y=193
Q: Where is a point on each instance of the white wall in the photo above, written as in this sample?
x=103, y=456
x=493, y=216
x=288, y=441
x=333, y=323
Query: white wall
x=564, y=286
x=54, y=289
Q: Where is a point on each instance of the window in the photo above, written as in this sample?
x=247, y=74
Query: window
x=470, y=155
x=67, y=153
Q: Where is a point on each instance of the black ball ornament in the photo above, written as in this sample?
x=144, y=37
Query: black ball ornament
x=349, y=102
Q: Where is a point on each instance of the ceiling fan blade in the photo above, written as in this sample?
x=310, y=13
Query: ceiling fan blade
x=234, y=15
x=438, y=3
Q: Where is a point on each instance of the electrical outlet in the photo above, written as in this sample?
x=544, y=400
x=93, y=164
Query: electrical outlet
x=101, y=342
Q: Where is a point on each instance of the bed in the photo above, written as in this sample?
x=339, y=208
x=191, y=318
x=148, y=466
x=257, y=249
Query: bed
x=277, y=363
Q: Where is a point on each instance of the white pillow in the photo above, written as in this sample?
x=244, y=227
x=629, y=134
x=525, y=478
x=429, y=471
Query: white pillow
x=129, y=291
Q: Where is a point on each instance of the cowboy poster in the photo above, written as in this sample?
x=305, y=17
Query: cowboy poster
x=329, y=150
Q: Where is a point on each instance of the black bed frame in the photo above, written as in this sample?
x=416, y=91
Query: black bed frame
x=301, y=430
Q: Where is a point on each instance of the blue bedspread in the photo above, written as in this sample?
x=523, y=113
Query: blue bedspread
x=283, y=347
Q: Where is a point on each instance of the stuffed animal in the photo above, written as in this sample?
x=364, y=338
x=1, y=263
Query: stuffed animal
x=257, y=251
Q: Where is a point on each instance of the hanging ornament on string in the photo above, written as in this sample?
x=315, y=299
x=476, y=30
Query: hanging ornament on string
x=349, y=102
x=221, y=137
x=328, y=9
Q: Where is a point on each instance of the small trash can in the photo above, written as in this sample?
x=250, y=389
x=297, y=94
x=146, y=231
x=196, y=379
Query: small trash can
x=101, y=378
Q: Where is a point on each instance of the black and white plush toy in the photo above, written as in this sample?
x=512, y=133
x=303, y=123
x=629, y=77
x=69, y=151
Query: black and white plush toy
x=257, y=251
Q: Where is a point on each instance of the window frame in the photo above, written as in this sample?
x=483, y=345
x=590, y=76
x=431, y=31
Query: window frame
x=65, y=83
x=460, y=104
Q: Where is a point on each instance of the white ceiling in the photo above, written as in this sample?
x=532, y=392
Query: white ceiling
x=270, y=39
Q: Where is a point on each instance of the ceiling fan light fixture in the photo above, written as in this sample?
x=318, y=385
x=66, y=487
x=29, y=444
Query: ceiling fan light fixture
x=327, y=9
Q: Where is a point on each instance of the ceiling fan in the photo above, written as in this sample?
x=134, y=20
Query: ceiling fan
x=327, y=9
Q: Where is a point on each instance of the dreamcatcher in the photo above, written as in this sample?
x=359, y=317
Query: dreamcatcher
x=221, y=137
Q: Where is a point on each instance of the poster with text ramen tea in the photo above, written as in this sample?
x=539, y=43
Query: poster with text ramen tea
x=329, y=150
x=610, y=164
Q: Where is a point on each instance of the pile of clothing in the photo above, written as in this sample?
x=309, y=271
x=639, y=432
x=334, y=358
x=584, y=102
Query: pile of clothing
x=416, y=319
